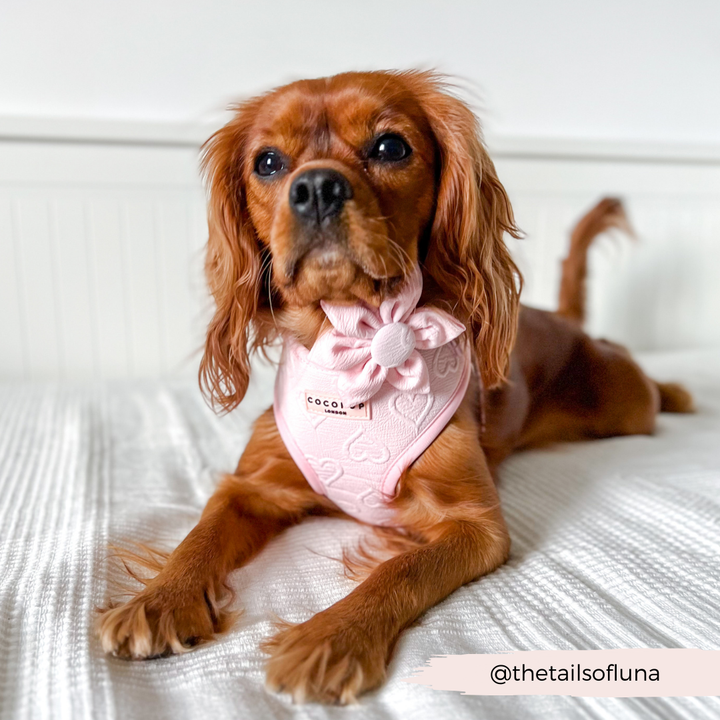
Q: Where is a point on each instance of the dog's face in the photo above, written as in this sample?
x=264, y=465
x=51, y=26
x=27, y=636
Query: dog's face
x=333, y=189
x=340, y=186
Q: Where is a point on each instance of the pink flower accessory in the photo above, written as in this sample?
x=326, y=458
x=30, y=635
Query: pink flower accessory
x=371, y=346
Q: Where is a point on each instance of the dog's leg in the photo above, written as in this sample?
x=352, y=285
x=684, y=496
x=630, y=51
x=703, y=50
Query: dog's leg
x=181, y=605
x=448, y=497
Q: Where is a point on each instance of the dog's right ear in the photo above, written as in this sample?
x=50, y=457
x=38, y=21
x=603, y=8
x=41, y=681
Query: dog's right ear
x=233, y=264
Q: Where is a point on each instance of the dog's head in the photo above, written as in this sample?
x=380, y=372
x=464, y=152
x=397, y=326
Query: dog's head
x=333, y=189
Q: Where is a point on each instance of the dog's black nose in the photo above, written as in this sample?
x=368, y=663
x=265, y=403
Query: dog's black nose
x=319, y=194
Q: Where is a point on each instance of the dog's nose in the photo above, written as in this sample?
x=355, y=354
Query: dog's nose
x=318, y=194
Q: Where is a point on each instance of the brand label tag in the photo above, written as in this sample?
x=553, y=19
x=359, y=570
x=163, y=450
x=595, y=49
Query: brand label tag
x=328, y=405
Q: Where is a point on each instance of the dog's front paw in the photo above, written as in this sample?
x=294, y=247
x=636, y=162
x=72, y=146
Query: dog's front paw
x=324, y=659
x=158, y=621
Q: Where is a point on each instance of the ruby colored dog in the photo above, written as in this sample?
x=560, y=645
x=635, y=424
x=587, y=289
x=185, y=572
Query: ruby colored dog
x=339, y=208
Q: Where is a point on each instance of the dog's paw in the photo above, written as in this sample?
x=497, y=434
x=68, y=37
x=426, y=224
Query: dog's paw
x=324, y=659
x=158, y=621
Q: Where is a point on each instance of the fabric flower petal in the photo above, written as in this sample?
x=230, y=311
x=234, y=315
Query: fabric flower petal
x=434, y=328
x=339, y=352
x=362, y=382
x=349, y=346
x=411, y=375
x=398, y=309
x=358, y=321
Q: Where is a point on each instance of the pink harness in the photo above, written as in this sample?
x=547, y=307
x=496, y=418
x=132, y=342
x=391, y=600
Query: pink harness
x=370, y=397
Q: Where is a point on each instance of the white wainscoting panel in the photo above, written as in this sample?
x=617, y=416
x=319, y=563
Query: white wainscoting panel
x=658, y=291
x=101, y=252
x=100, y=260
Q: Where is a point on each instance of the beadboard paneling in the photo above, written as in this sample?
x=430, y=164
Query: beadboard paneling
x=100, y=260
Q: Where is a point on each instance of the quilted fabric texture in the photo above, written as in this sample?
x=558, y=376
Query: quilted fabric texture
x=616, y=543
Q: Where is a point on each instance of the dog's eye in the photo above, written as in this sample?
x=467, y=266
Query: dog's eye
x=390, y=148
x=268, y=163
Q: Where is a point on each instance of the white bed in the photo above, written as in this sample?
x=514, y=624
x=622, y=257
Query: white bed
x=616, y=543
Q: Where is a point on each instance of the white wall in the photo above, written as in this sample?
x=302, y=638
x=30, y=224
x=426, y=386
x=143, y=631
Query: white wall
x=618, y=69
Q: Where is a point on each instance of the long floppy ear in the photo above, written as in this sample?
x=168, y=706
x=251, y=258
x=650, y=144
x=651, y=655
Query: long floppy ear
x=232, y=264
x=467, y=255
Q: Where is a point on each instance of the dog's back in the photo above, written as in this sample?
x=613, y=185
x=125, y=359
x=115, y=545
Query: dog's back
x=564, y=385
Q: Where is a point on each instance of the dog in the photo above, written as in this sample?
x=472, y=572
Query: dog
x=360, y=220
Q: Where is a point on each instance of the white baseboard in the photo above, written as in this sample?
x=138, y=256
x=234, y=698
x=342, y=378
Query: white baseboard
x=193, y=134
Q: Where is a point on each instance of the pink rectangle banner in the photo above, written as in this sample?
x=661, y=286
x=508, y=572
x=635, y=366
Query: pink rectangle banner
x=583, y=673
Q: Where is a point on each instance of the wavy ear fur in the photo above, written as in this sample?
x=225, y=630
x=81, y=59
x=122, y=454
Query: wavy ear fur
x=233, y=264
x=467, y=255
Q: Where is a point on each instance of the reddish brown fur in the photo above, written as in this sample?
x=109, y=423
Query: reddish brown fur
x=446, y=208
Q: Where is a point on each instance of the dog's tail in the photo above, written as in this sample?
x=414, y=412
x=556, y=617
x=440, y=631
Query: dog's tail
x=607, y=214
x=674, y=398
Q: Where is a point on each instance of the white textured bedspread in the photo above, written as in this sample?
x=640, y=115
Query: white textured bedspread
x=616, y=544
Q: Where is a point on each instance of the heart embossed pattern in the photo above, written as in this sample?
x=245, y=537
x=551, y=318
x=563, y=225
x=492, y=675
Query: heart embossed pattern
x=328, y=470
x=373, y=499
x=361, y=448
x=413, y=407
x=447, y=360
x=315, y=420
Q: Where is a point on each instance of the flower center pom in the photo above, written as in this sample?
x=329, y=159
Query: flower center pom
x=392, y=345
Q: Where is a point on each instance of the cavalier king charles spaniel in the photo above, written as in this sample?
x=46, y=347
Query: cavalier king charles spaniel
x=359, y=220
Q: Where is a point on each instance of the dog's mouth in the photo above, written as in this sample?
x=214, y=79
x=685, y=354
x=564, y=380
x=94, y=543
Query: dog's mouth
x=323, y=255
x=336, y=247
x=330, y=269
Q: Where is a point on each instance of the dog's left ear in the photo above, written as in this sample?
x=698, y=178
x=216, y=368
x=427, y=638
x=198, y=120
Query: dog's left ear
x=467, y=255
